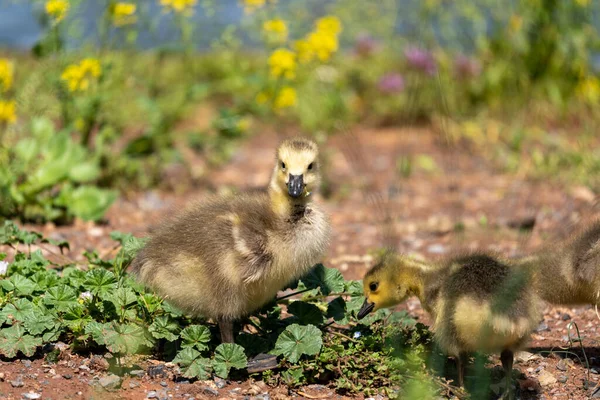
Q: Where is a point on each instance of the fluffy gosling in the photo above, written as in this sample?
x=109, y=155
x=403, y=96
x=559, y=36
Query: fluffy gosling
x=225, y=257
x=478, y=302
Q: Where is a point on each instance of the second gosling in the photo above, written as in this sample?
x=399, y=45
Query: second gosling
x=226, y=257
x=477, y=302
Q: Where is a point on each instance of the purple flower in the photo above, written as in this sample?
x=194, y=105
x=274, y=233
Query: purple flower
x=365, y=45
x=391, y=83
x=466, y=67
x=421, y=60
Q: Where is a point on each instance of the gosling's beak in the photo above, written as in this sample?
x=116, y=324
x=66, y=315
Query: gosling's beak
x=295, y=185
x=365, y=309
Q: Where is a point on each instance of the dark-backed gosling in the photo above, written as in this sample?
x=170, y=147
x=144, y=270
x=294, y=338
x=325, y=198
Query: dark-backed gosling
x=477, y=302
x=225, y=257
x=569, y=274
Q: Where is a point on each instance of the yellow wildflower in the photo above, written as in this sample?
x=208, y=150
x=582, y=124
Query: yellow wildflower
x=318, y=44
x=329, y=24
x=78, y=76
x=91, y=66
x=7, y=69
x=123, y=14
x=583, y=3
x=7, y=112
x=589, y=90
x=286, y=98
x=283, y=63
x=252, y=5
x=57, y=9
x=179, y=6
x=277, y=28
x=263, y=98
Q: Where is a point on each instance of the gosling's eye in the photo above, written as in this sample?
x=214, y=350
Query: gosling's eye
x=373, y=286
x=310, y=166
x=282, y=165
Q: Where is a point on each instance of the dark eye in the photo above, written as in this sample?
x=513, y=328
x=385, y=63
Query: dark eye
x=282, y=165
x=373, y=286
x=310, y=166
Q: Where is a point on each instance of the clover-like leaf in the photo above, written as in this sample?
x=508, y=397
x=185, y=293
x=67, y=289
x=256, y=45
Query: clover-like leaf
x=14, y=339
x=126, y=338
x=329, y=280
x=193, y=364
x=60, y=297
x=297, y=340
x=307, y=313
x=227, y=356
x=196, y=336
x=164, y=327
x=16, y=311
x=100, y=282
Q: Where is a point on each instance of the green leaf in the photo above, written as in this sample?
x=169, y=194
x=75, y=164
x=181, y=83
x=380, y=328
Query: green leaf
x=164, y=327
x=123, y=298
x=194, y=365
x=22, y=286
x=336, y=309
x=100, y=282
x=36, y=321
x=60, y=297
x=227, y=356
x=297, y=340
x=329, y=280
x=84, y=172
x=15, y=339
x=98, y=331
x=89, y=202
x=16, y=311
x=197, y=336
x=355, y=288
x=126, y=338
x=307, y=313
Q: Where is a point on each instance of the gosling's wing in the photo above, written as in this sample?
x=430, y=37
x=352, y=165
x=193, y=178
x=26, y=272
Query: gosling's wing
x=250, y=229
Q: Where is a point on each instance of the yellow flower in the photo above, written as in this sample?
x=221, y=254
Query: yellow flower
x=262, y=98
x=317, y=44
x=329, y=24
x=7, y=69
x=7, y=112
x=57, y=9
x=123, y=14
x=283, y=63
x=252, y=5
x=583, y=3
x=91, y=66
x=286, y=98
x=277, y=28
x=589, y=90
x=79, y=76
x=179, y=6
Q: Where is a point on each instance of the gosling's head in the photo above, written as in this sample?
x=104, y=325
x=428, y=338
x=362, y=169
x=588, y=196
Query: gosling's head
x=390, y=282
x=297, y=169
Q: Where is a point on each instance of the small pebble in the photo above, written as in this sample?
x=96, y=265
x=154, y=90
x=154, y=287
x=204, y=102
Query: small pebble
x=17, y=383
x=110, y=381
x=155, y=371
x=67, y=376
x=84, y=368
x=152, y=395
x=27, y=363
x=31, y=396
x=1, y=376
x=562, y=378
x=209, y=391
x=164, y=384
x=565, y=317
x=133, y=384
x=220, y=383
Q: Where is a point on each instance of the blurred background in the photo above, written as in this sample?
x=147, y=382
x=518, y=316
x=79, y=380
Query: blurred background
x=443, y=124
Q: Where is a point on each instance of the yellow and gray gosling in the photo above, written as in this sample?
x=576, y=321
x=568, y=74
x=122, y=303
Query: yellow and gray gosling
x=225, y=257
x=478, y=302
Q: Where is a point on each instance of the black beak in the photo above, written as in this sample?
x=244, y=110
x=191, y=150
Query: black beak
x=365, y=309
x=295, y=185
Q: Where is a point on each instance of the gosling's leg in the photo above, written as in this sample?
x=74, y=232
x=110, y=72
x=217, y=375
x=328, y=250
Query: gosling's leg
x=226, y=328
x=461, y=361
x=507, y=357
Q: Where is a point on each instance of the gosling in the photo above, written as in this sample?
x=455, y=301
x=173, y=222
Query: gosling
x=569, y=274
x=477, y=301
x=226, y=257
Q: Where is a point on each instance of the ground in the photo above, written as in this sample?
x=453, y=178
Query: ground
x=370, y=204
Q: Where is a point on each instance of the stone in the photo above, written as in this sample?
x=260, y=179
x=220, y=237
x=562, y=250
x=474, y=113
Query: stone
x=27, y=363
x=152, y=395
x=542, y=327
x=17, y=382
x=562, y=365
x=100, y=363
x=110, y=381
x=155, y=371
x=546, y=378
x=32, y=396
x=133, y=384
x=563, y=379
x=565, y=317
x=523, y=356
x=264, y=396
x=68, y=376
x=209, y=391
x=137, y=372
x=220, y=383
x=164, y=384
